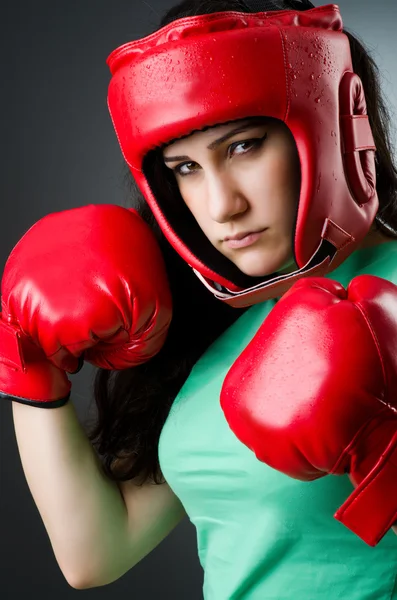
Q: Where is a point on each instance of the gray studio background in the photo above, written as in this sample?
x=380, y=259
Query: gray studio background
x=58, y=151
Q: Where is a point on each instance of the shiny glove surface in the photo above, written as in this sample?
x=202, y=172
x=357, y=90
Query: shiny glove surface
x=88, y=282
x=315, y=393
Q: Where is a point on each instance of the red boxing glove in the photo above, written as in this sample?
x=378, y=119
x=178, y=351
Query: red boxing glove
x=315, y=392
x=89, y=280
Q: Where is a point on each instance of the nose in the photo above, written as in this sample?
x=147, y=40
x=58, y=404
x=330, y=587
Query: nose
x=224, y=197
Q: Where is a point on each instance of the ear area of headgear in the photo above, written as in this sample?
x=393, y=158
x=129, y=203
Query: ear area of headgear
x=357, y=140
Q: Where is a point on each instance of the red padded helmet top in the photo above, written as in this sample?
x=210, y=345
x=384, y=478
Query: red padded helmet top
x=290, y=65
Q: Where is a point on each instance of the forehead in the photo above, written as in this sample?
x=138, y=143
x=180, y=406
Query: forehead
x=207, y=135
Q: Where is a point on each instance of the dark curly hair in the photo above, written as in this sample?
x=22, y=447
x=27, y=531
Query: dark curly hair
x=132, y=405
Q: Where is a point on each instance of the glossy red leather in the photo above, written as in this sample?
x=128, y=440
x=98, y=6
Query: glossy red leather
x=290, y=65
x=89, y=280
x=314, y=393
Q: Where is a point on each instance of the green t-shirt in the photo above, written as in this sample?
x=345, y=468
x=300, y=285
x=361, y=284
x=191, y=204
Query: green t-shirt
x=262, y=535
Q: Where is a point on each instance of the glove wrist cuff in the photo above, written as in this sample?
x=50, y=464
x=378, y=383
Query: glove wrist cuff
x=371, y=509
x=26, y=375
x=36, y=403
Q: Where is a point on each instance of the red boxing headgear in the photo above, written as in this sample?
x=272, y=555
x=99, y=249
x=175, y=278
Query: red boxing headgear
x=212, y=69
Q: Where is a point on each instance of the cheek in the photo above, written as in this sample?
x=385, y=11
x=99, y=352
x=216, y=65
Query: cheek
x=283, y=175
x=285, y=168
x=275, y=187
x=193, y=195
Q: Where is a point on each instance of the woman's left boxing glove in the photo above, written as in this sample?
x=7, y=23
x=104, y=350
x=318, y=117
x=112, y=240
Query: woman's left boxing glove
x=315, y=392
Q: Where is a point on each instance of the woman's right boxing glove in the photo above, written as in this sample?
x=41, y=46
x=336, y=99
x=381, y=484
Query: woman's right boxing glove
x=89, y=282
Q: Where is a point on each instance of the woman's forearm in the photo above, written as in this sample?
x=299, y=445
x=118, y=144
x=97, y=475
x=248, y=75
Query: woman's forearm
x=83, y=510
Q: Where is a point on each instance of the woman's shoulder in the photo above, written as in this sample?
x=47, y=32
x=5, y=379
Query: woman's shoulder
x=383, y=260
x=378, y=259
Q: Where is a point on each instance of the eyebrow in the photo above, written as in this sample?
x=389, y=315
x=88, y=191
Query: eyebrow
x=240, y=129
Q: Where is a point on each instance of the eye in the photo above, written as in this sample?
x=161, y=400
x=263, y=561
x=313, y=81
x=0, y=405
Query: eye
x=244, y=146
x=186, y=168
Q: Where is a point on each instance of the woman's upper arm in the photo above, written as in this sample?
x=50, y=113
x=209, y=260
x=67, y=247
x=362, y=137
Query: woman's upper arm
x=153, y=512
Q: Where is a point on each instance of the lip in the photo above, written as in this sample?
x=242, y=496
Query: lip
x=243, y=239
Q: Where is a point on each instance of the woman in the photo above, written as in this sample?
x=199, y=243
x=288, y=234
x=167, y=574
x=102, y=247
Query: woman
x=260, y=533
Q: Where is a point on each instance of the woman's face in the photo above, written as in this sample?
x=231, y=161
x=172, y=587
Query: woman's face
x=241, y=182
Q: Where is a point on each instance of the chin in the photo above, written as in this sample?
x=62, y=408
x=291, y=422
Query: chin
x=261, y=266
